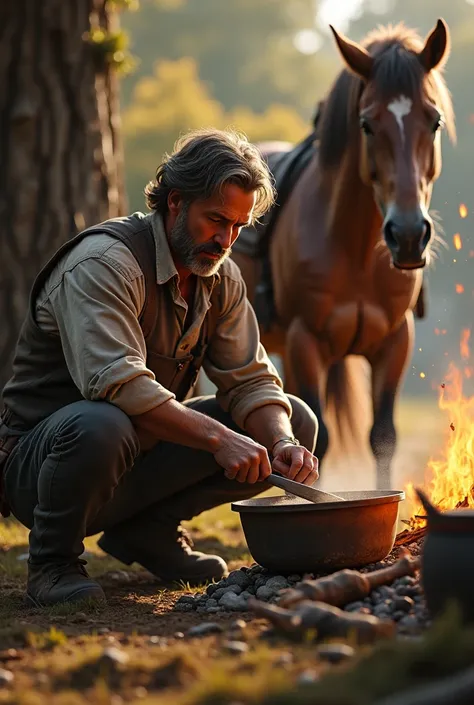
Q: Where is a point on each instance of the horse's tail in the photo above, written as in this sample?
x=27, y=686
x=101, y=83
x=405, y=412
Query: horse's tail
x=348, y=412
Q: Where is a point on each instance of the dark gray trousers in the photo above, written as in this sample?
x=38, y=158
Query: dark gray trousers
x=80, y=471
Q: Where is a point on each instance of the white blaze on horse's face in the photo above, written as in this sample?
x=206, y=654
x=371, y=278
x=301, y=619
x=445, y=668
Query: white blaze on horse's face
x=400, y=107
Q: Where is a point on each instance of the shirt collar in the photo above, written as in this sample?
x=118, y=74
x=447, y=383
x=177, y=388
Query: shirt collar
x=165, y=266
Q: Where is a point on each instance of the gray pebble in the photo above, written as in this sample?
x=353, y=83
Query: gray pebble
x=235, y=647
x=231, y=601
x=236, y=589
x=354, y=606
x=211, y=603
x=294, y=578
x=213, y=610
x=210, y=590
x=186, y=600
x=204, y=629
x=335, y=653
x=277, y=583
x=245, y=595
x=238, y=577
x=254, y=570
x=259, y=582
x=183, y=607
x=381, y=611
x=397, y=615
x=6, y=677
x=250, y=590
x=403, y=604
x=408, y=591
x=265, y=593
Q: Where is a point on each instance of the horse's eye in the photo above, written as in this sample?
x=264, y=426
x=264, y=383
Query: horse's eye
x=365, y=127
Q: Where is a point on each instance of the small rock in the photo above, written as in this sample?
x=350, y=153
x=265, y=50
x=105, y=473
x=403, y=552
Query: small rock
x=204, y=629
x=235, y=647
x=245, y=595
x=79, y=617
x=254, y=570
x=408, y=591
x=265, y=593
x=103, y=630
x=211, y=603
x=178, y=635
x=407, y=580
x=23, y=557
x=294, y=579
x=210, y=590
x=259, y=582
x=201, y=600
x=120, y=575
x=381, y=611
x=113, y=655
x=183, y=607
x=250, y=590
x=238, y=625
x=335, y=653
x=158, y=640
x=213, y=610
x=186, y=600
x=236, y=589
x=307, y=677
x=233, y=602
x=354, y=606
x=277, y=583
x=403, y=604
x=238, y=577
x=6, y=677
x=397, y=615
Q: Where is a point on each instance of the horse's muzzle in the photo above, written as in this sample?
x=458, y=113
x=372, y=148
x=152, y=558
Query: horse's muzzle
x=407, y=236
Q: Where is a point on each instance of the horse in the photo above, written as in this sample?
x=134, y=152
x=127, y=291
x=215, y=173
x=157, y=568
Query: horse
x=348, y=249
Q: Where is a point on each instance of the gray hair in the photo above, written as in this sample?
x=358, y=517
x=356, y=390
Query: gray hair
x=203, y=161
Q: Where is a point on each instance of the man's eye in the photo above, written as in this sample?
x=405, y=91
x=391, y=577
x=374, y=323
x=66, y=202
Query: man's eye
x=214, y=220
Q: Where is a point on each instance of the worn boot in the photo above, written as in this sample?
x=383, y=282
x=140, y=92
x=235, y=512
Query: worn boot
x=54, y=583
x=167, y=553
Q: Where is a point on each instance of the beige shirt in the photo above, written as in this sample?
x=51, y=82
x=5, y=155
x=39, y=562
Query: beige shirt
x=93, y=299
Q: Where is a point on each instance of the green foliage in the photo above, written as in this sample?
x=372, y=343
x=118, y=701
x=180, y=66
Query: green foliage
x=175, y=100
x=112, y=48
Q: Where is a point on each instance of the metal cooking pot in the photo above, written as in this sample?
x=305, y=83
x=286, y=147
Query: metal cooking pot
x=446, y=562
x=290, y=535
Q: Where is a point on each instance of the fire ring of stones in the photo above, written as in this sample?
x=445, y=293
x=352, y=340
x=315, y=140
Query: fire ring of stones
x=402, y=601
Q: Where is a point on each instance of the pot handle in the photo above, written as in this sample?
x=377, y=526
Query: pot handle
x=429, y=508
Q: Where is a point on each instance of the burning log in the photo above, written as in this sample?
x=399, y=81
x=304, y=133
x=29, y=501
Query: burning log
x=405, y=538
x=347, y=586
x=325, y=620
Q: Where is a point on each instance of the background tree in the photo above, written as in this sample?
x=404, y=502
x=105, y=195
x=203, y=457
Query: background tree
x=60, y=145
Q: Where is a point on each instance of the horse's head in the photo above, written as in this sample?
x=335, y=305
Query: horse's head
x=402, y=103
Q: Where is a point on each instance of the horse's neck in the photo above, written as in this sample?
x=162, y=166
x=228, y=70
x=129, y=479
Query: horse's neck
x=353, y=221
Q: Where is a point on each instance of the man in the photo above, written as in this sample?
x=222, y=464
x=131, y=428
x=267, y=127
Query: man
x=98, y=432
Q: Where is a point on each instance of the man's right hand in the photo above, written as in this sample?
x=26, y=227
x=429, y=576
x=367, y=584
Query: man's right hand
x=243, y=459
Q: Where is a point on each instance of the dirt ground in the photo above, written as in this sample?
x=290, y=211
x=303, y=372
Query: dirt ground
x=61, y=658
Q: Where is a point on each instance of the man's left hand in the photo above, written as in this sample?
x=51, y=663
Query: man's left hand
x=296, y=463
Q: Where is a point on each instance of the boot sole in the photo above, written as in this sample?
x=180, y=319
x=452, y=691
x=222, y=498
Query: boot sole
x=72, y=599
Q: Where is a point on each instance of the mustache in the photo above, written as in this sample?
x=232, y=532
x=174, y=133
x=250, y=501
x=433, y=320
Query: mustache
x=212, y=249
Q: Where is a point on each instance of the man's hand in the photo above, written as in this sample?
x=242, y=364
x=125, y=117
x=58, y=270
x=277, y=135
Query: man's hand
x=295, y=462
x=243, y=459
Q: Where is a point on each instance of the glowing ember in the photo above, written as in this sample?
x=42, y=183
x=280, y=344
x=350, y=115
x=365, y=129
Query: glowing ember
x=450, y=480
x=459, y=289
x=457, y=241
x=463, y=210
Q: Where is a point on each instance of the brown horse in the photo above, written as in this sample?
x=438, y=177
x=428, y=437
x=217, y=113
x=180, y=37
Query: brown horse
x=349, y=246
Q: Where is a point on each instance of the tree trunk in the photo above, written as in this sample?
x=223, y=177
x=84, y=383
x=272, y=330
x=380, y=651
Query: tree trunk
x=61, y=165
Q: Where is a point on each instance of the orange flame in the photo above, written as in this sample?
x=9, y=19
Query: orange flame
x=457, y=241
x=450, y=480
x=463, y=210
x=459, y=289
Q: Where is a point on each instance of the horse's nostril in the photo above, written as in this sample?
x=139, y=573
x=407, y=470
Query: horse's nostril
x=389, y=234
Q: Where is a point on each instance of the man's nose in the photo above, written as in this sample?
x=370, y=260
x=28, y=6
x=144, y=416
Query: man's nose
x=224, y=237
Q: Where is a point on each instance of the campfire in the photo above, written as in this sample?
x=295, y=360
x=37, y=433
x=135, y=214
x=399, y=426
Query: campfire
x=449, y=481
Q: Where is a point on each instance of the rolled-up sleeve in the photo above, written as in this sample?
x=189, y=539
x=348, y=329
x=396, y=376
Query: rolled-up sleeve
x=96, y=308
x=236, y=361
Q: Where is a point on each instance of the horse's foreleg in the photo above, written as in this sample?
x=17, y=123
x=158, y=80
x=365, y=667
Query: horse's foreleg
x=388, y=367
x=308, y=373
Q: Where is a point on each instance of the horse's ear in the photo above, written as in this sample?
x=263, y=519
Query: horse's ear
x=356, y=57
x=437, y=46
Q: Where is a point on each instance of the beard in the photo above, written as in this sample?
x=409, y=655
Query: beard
x=193, y=256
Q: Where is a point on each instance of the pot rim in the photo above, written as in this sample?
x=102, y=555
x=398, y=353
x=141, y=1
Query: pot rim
x=361, y=498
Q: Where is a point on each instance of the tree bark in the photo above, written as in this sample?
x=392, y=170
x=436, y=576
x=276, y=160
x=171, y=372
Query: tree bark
x=61, y=166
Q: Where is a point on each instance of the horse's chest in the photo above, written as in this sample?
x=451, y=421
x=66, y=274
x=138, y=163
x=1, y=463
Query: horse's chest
x=356, y=316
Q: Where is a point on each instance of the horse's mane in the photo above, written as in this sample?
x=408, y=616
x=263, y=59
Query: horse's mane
x=396, y=70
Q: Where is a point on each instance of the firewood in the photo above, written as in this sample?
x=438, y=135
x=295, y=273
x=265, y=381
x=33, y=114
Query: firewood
x=325, y=620
x=347, y=586
x=408, y=536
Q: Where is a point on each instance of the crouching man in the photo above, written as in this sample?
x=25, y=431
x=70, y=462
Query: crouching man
x=98, y=431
